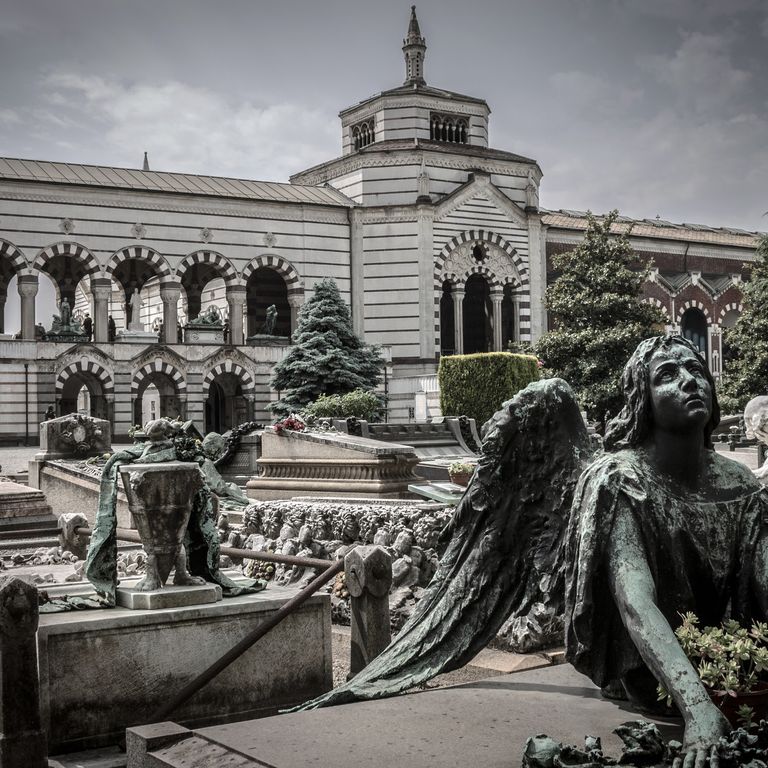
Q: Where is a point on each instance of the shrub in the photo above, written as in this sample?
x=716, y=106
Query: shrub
x=477, y=385
x=359, y=403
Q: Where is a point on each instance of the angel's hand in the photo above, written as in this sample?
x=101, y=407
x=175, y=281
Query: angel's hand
x=697, y=758
x=702, y=733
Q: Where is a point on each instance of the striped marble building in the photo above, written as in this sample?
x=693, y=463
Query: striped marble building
x=436, y=240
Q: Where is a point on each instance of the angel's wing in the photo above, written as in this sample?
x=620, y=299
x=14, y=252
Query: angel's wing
x=505, y=549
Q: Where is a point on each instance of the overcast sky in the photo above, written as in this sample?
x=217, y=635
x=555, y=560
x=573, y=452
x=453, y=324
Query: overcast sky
x=654, y=107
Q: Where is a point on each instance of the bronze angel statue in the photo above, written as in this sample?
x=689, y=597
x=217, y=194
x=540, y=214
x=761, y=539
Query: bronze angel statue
x=621, y=543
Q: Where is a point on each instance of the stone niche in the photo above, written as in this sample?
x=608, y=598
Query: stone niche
x=102, y=671
x=331, y=464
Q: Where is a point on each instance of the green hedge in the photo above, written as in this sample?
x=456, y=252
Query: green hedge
x=477, y=385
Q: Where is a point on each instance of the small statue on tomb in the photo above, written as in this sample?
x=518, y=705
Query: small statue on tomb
x=65, y=313
x=268, y=328
x=135, y=304
x=211, y=317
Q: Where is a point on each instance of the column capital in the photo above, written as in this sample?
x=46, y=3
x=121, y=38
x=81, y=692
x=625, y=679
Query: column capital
x=101, y=287
x=236, y=292
x=27, y=285
x=457, y=292
x=497, y=295
x=170, y=291
x=295, y=300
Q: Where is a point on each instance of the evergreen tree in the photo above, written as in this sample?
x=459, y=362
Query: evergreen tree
x=598, y=317
x=746, y=374
x=327, y=357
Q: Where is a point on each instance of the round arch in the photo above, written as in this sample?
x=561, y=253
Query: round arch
x=139, y=253
x=196, y=271
x=79, y=253
x=95, y=378
x=280, y=265
x=217, y=263
x=13, y=257
x=169, y=384
x=228, y=388
x=480, y=236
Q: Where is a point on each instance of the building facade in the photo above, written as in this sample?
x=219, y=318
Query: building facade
x=436, y=240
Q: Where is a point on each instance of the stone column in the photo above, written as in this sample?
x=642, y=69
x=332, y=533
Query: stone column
x=458, y=319
x=425, y=219
x=368, y=572
x=3, y=297
x=27, y=286
x=497, y=296
x=101, y=288
x=537, y=273
x=169, y=295
x=357, y=275
x=235, y=302
x=296, y=301
x=22, y=740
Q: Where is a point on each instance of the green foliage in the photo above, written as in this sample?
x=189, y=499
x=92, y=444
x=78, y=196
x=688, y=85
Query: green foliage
x=477, y=385
x=746, y=375
x=598, y=316
x=359, y=403
x=730, y=658
x=327, y=357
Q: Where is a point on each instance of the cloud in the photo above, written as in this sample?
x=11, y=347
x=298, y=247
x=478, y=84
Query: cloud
x=684, y=10
x=184, y=128
x=9, y=117
x=700, y=72
x=589, y=92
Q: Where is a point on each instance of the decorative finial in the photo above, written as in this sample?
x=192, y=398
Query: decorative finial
x=414, y=48
x=145, y=167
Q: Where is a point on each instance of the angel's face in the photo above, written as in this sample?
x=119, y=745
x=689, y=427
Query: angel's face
x=681, y=395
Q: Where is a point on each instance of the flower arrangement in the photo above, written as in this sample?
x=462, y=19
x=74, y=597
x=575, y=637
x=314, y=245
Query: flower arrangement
x=291, y=422
x=461, y=472
x=731, y=660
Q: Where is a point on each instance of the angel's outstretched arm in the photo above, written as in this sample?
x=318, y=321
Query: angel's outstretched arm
x=634, y=591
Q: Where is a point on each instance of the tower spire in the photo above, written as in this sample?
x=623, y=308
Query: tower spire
x=145, y=167
x=414, y=48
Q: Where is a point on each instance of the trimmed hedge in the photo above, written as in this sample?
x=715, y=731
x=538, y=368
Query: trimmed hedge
x=477, y=385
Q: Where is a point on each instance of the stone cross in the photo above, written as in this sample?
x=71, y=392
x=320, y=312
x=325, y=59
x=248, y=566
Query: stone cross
x=22, y=740
x=368, y=572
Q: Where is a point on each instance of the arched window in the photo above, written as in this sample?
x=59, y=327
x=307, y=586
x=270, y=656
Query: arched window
x=693, y=326
x=477, y=310
x=363, y=134
x=448, y=128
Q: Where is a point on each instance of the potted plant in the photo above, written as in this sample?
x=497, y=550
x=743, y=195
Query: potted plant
x=461, y=472
x=732, y=662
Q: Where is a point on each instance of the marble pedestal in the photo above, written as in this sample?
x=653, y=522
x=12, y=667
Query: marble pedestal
x=169, y=596
x=136, y=337
x=102, y=671
x=204, y=334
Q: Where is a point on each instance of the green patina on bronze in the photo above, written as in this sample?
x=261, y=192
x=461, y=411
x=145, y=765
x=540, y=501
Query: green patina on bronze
x=658, y=524
x=201, y=539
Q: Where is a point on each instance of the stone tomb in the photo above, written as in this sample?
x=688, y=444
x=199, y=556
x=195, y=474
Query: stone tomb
x=330, y=464
x=102, y=671
x=484, y=723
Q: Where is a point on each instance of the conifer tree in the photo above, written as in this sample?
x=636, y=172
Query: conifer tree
x=327, y=357
x=746, y=374
x=598, y=315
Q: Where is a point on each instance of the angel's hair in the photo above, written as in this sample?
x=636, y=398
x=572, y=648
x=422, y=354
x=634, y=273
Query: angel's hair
x=634, y=422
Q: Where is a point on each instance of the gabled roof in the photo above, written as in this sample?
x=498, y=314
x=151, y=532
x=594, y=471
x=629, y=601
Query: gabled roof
x=657, y=228
x=12, y=169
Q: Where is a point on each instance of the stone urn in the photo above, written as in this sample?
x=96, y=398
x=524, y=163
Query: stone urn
x=160, y=499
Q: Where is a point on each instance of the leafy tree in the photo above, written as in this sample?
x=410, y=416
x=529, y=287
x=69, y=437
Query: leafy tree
x=327, y=357
x=599, y=317
x=746, y=374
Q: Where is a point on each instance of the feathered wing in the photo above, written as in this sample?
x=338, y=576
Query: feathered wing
x=505, y=551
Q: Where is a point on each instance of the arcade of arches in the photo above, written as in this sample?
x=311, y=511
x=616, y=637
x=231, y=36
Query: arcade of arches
x=225, y=406
x=167, y=302
x=477, y=317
